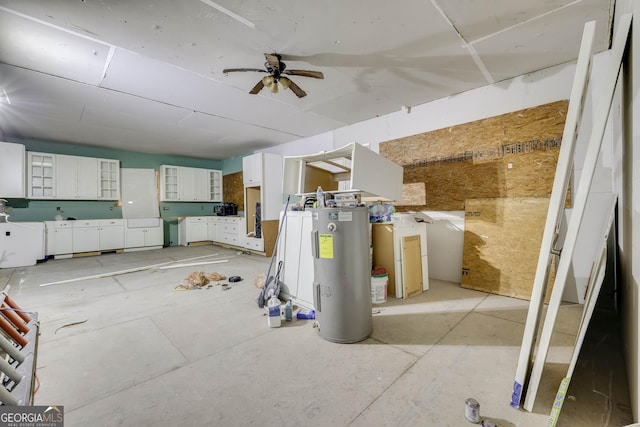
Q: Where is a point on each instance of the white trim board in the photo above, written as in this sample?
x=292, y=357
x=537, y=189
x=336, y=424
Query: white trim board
x=593, y=290
x=555, y=210
x=586, y=178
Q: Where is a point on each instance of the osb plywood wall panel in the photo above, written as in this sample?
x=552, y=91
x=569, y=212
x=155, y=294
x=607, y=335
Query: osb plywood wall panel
x=233, y=189
x=511, y=155
x=502, y=240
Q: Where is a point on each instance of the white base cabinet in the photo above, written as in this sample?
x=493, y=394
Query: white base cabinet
x=192, y=229
x=59, y=237
x=294, y=250
x=143, y=234
x=228, y=230
x=406, y=264
x=111, y=234
x=86, y=235
x=218, y=229
x=21, y=243
x=65, y=238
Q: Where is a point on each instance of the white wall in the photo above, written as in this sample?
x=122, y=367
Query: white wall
x=526, y=91
x=445, y=239
x=627, y=184
x=616, y=161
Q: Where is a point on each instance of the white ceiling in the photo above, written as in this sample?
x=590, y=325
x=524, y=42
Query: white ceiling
x=147, y=75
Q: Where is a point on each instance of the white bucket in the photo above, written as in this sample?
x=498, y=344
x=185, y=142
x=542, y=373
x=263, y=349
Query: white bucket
x=379, y=289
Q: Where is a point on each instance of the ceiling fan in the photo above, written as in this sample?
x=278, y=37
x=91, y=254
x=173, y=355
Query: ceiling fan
x=276, y=68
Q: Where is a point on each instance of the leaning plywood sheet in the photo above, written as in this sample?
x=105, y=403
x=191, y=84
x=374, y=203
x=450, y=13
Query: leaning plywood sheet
x=501, y=242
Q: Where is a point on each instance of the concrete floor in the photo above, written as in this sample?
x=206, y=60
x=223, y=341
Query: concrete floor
x=147, y=355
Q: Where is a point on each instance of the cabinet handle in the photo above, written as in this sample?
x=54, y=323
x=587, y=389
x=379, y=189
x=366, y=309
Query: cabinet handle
x=316, y=296
x=315, y=244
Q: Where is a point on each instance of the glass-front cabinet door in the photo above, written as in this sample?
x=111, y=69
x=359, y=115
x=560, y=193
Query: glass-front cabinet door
x=41, y=175
x=169, y=183
x=215, y=185
x=109, y=179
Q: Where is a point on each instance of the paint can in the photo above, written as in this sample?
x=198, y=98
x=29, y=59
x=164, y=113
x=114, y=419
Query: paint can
x=472, y=410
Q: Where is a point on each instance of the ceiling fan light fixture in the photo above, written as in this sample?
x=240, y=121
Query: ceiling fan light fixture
x=275, y=68
x=285, y=82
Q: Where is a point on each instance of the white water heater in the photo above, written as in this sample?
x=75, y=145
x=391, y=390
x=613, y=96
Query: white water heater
x=342, y=273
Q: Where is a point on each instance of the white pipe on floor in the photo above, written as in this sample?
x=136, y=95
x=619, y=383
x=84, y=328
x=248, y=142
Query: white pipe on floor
x=130, y=270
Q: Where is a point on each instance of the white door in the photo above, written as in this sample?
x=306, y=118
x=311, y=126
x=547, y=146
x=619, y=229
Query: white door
x=201, y=185
x=215, y=186
x=66, y=177
x=111, y=234
x=87, y=178
x=86, y=236
x=252, y=169
x=170, y=183
x=134, y=237
x=186, y=181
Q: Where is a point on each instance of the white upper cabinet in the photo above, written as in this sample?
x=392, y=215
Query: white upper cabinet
x=76, y=178
x=12, y=171
x=64, y=177
x=262, y=176
x=215, y=185
x=169, y=183
x=185, y=184
x=252, y=169
x=352, y=168
x=109, y=181
x=41, y=175
x=194, y=184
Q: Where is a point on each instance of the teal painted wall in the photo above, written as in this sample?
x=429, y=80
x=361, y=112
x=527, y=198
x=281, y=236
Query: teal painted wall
x=46, y=210
x=232, y=165
x=128, y=159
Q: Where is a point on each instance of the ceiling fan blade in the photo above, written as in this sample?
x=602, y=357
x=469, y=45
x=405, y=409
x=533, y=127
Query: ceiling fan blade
x=233, y=70
x=273, y=59
x=257, y=88
x=305, y=73
x=296, y=89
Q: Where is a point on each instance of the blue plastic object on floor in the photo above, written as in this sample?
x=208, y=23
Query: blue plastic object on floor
x=306, y=314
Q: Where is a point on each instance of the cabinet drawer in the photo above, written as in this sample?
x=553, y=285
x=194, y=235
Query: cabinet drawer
x=61, y=224
x=111, y=222
x=254, y=243
x=231, y=239
x=196, y=219
x=86, y=223
x=230, y=228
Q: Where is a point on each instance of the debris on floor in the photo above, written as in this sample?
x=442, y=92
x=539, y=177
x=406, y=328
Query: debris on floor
x=198, y=280
x=259, y=280
x=70, y=324
x=215, y=277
